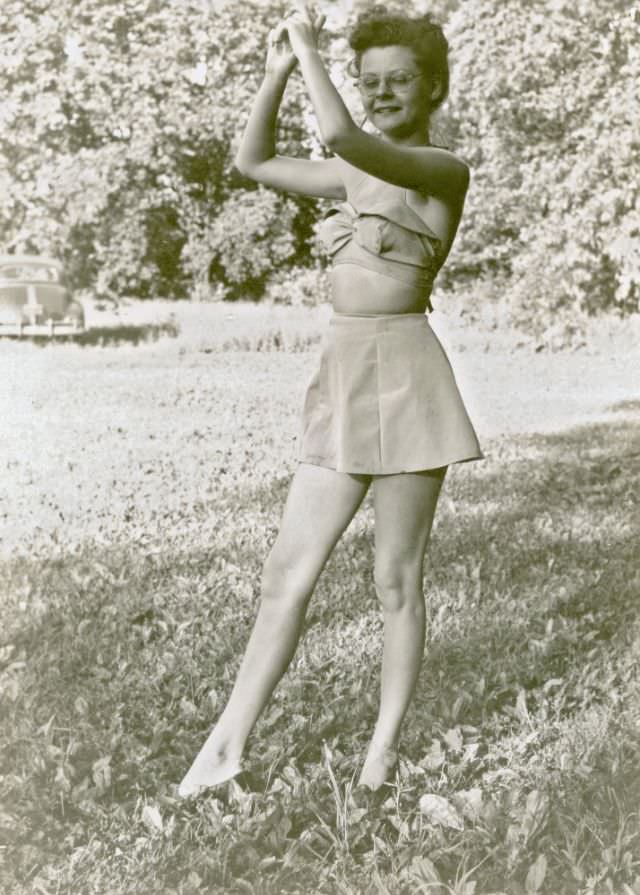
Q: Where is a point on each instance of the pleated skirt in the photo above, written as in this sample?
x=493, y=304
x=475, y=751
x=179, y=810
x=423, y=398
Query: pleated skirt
x=383, y=399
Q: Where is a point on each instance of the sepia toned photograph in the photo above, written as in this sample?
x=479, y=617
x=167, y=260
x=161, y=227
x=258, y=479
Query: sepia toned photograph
x=319, y=447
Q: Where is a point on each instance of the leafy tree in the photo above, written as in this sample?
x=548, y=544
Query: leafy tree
x=120, y=120
x=543, y=98
x=118, y=137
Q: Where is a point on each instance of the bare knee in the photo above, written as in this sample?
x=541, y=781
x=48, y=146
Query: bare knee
x=286, y=582
x=399, y=588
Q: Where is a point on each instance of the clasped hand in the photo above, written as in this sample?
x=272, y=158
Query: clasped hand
x=297, y=32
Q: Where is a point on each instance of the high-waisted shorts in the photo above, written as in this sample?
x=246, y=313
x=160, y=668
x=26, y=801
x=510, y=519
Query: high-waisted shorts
x=383, y=399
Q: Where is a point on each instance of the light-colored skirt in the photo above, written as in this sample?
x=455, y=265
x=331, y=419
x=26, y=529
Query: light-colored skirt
x=383, y=399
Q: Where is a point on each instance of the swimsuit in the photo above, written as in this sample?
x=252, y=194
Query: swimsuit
x=377, y=229
x=383, y=398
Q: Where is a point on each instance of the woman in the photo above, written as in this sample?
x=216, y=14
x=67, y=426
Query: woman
x=382, y=410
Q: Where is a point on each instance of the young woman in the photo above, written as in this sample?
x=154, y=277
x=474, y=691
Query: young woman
x=382, y=409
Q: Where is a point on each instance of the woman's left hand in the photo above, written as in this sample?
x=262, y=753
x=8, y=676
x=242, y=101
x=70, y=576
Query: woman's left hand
x=303, y=27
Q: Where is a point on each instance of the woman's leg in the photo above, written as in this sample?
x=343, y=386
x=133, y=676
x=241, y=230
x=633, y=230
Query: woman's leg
x=404, y=507
x=320, y=504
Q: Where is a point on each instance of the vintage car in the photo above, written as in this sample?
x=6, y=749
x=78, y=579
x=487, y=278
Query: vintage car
x=35, y=299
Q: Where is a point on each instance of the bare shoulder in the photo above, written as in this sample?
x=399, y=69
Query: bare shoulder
x=447, y=160
x=431, y=170
x=440, y=206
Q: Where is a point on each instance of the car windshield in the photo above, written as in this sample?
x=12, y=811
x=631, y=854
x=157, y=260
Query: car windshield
x=31, y=272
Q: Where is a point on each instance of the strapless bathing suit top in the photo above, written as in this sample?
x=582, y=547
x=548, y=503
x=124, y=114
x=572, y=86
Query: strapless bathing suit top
x=377, y=229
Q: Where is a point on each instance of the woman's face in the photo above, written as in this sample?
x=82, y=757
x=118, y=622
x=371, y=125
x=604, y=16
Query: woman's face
x=396, y=95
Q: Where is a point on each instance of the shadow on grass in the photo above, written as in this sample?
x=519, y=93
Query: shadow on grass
x=625, y=406
x=121, y=334
x=532, y=579
x=513, y=535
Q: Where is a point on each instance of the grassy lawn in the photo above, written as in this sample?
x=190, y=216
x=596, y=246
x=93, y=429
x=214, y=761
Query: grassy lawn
x=146, y=473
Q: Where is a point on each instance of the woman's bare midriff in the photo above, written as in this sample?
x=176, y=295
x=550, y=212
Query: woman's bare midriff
x=357, y=290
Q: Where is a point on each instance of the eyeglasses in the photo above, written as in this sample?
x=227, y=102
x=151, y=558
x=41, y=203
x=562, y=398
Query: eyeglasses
x=397, y=80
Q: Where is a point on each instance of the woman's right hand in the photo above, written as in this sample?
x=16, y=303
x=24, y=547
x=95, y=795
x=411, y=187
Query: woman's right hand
x=281, y=60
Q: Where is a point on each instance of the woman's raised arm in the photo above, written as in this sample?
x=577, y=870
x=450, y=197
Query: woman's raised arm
x=256, y=157
x=423, y=168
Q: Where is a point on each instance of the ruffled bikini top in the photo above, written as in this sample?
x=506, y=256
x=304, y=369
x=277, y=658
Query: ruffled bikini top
x=377, y=229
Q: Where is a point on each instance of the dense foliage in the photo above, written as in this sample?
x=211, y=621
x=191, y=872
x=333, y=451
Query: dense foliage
x=118, y=138
x=543, y=96
x=120, y=120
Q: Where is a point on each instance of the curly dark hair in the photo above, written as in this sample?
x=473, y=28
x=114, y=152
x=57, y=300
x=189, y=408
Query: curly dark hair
x=378, y=27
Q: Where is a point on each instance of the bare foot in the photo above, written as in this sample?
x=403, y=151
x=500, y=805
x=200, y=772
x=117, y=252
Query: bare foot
x=211, y=767
x=379, y=765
